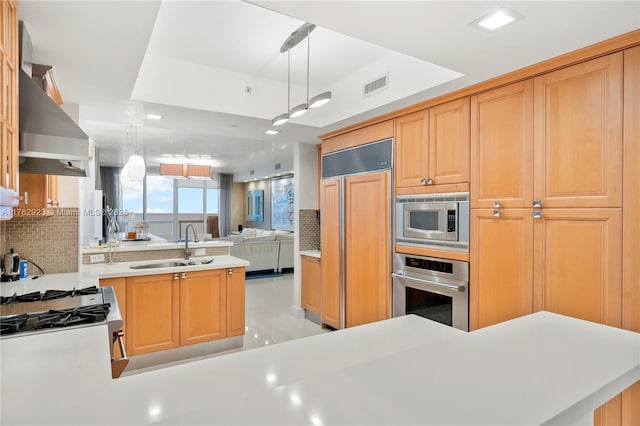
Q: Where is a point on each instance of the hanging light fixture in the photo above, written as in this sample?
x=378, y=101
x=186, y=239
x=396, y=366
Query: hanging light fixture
x=136, y=167
x=296, y=37
x=125, y=182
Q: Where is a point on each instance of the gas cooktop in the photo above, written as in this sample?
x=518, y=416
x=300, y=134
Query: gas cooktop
x=58, y=309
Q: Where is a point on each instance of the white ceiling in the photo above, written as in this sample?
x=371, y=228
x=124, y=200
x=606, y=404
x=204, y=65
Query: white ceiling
x=195, y=61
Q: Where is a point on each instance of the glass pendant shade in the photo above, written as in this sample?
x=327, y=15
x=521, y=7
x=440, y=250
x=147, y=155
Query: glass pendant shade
x=125, y=182
x=281, y=119
x=137, y=168
x=320, y=100
x=298, y=110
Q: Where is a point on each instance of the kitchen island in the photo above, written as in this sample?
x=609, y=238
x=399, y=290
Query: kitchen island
x=537, y=369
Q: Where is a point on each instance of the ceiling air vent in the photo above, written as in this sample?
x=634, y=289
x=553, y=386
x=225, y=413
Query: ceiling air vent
x=375, y=85
x=277, y=166
x=252, y=172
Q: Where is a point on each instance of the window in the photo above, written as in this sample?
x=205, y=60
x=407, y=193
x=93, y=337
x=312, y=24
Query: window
x=169, y=205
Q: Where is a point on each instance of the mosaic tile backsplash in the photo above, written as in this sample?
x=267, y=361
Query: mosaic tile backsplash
x=309, y=229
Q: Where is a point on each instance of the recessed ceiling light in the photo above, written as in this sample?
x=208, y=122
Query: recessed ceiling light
x=272, y=132
x=154, y=116
x=496, y=19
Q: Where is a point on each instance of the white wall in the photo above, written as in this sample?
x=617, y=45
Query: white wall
x=305, y=164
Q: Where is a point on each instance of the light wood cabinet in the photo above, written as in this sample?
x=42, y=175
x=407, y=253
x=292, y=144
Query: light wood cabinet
x=578, y=135
x=38, y=195
x=502, y=147
x=311, y=289
x=153, y=313
x=9, y=67
x=330, y=248
x=630, y=223
x=203, y=301
x=432, y=146
x=235, y=301
x=120, y=289
x=165, y=311
x=367, y=263
x=501, y=267
x=578, y=264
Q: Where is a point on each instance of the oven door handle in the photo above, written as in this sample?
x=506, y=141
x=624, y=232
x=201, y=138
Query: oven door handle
x=459, y=288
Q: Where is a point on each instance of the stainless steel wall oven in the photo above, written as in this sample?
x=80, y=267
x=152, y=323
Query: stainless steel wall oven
x=433, y=288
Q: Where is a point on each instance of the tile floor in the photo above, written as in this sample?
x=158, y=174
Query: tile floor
x=268, y=320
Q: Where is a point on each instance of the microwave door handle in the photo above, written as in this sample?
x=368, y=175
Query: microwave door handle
x=459, y=288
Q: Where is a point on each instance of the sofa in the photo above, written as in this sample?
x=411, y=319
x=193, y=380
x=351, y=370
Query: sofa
x=265, y=250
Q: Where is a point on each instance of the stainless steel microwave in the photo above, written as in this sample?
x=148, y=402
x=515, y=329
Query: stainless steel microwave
x=433, y=220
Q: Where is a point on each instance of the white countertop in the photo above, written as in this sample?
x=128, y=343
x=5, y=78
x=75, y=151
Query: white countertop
x=89, y=275
x=311, y=253
x=127, y=246
x=535, y=369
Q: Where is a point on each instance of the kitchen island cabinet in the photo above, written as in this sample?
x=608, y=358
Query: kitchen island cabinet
x=203, y=302
x=235, y=301
x=153, y=313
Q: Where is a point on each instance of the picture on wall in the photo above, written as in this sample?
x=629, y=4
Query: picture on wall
x=282, y=196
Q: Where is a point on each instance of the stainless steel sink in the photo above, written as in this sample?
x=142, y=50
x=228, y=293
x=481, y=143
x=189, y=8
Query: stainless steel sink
x=159, y=265
x=172, y=264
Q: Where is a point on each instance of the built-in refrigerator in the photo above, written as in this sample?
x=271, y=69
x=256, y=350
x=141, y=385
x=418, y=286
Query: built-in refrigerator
x=355, y=228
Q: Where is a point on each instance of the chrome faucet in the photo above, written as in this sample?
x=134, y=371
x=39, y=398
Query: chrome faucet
x=187, y=253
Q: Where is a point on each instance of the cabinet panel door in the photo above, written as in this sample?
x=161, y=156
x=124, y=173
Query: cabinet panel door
x=367, y=256
x=501, y=280
x=330, y=247
x=411, y=150
x=152, y=313
x=578, y=264
x=235, y=302
x=203, y=300
x=449, y=142
x=311, y=289
x=502, y=147
x=578, y=135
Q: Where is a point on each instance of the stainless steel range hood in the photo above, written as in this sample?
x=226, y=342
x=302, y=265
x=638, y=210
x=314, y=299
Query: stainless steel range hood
x=50, y=141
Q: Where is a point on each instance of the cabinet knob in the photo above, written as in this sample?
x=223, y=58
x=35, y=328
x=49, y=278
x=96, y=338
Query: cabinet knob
x=184, y=275
x=176, y=276
x=230, y=271
x=496, y=213
x=25, y=198
x=537, y=214
x=496, y=204
x=430, y=181
x=537, y=204
x=423, y=181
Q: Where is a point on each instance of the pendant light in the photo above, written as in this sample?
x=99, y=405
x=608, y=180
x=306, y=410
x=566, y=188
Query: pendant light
x=136, y=167
x=296, y=37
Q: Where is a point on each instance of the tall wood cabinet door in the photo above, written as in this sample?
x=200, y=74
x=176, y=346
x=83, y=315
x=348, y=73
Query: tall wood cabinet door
x=501, y=279
x=203, y=301
x=152, y=313
x=367, y=254
x=502, y=147
x=235, y=301
x=330, y=197
x=411, y=165
x=578, y=263
x=578, y=135
x=120, y=289
x=631, y=224
x=449, y=142
x=311, y=288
